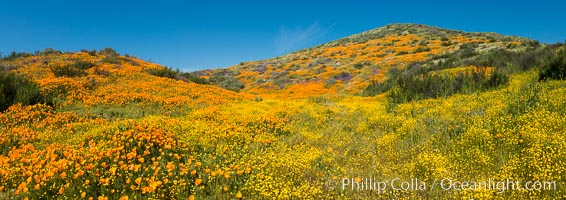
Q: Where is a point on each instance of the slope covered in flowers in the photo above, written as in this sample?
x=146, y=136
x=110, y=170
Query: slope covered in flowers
x=350, y=64
x=120, y=81
x=115, y=131
x=292, y=149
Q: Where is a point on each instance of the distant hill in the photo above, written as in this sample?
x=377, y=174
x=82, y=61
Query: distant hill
x=351, y=64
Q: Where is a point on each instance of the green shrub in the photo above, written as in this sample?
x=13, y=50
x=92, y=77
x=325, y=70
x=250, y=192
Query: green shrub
x=84, y=65
x=407, y=85
x=75, y=69
x=227, y=80
x=496, y=79
x=101, y=72
x=555, y=69
x=424, y=86
x=109, y=52
x=508, y=60
x=232, y=83
x=422, y=49
x=15, y=55
x=376, y=88
x=329, y=82
x=67, y=71
x=415, y=82
x=110, y=56
x=194, y=78
x=177, y=75
x=447, y=43
x=15, y=88
x=47, y=51
x=402, y=53
x=91, y=53
x=359, y=65
x=466, y=51
x=163, y=72
x=111, y=60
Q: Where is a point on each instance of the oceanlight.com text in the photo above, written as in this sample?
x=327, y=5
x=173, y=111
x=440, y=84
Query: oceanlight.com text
x=447, y=184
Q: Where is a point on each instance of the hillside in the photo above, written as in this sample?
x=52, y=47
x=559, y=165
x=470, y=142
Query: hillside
x=399, y=105
x=349, y=65
x=107, y=79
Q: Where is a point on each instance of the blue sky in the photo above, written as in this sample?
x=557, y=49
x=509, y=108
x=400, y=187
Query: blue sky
x=194, y=35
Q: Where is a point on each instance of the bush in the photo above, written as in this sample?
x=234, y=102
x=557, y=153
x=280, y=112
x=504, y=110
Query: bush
x=17, y=89
x=101, y=72
x=227, y=80
x=466, y=51
x=359, y=65
x=111, y=60
x=177, y=75
x=509, y=60
x=232, y=83
x=424, y=86
x=496, y=79
x=376, y=88
x=110, y=56
x=66, y=71
x=91, y=53
x=84, y=65
x=329, y=82
x=47, y=51
x=422, y=49
x=556, y=69
x=194, y=78
x=109, y=52
x=402, y=53
x=75, y=69
x=15, y=55
x=413, y=85
x=447, y=43
x=163, y=72
x=415, y=82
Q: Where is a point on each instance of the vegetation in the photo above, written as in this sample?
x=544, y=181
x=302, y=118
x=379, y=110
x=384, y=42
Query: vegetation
x=556, y=68
x=475, y=111
x=110, y=56
x=227, y=80
x=15, y=55
x=163, y=72
x=407, y=87
x=369, y=56
x=16, y=89
x=177, y=75
x=422, y=80
x=74, y=69
x=433, y=85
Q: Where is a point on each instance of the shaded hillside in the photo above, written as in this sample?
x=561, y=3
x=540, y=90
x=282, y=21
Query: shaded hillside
x=350, y=64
